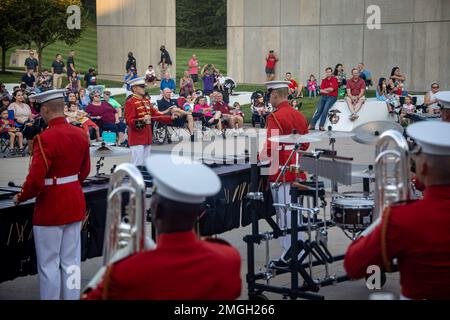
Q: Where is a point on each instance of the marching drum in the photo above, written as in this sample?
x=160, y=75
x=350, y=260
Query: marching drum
x=352, y=213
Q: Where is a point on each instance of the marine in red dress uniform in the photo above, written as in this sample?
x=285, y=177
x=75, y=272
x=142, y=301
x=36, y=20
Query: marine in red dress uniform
x=60, y=163
x=181, y=267
x=416, y=233
x=284, y=121
x=139, y=112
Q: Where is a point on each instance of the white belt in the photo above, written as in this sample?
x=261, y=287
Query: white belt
x=58, y=181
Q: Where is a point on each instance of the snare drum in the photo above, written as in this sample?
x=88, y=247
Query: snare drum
x=353, y=214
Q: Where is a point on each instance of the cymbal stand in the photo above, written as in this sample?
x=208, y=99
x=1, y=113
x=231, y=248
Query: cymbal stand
x=322, y=233
x=277, y=184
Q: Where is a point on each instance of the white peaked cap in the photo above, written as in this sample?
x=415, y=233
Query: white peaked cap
x=182, y=179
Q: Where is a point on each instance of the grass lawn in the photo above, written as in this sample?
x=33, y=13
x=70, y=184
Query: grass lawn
x=86, y=57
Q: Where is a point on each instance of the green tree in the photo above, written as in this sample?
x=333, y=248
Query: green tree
x=201, y=23
x=11, y=27
x=46, y=23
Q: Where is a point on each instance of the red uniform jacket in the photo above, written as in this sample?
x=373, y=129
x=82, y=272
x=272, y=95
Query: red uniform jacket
x=180, y=268
x=63, y=152
x=282, y=122
x=136, y=108
x=418, y=235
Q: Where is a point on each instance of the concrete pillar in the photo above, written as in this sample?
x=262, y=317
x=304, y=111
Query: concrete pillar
x=140, y=26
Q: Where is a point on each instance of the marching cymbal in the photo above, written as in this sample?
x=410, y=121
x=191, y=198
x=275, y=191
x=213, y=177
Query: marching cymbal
x=108, y=151
x=330, y=135
x=368, y=133
x=294, y=138
x=364, y=174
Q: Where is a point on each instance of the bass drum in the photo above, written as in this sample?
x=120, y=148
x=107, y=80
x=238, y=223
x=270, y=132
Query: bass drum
x=352, y=214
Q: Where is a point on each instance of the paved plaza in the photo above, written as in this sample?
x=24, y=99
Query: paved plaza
x=27, y=287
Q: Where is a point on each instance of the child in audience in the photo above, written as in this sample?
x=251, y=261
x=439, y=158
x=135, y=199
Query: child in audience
x=311, y=86
x=8, y=131
x=407, y=108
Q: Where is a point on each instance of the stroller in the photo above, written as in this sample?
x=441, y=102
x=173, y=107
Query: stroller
x=229, y=85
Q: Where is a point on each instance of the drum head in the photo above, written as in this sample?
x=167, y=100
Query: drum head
x=354, y=202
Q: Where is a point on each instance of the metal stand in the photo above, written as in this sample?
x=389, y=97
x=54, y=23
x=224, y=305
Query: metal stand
x=315, y=250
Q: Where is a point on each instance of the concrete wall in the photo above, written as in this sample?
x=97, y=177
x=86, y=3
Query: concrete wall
x=309, y=35
x=140, y=26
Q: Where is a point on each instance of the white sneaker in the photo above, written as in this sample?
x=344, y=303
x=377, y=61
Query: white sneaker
x=241, y=131
x=218, y=132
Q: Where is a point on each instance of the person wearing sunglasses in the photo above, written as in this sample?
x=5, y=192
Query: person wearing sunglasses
x=430, y=100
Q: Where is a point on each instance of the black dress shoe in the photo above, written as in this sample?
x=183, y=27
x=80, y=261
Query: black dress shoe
x=280, y=263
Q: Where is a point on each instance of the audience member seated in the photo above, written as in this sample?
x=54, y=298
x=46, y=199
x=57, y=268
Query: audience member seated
x=295, y=89
x=116, y=105
x=235, y=121
x=365, y=75
x=189, y=103
x=430, y=101
x=150, y=76
x=167, y=105
x=399, y=81
x=4, y=102
x=356, y=88
x=167, y=82
x=30, y=81
x=382, y=94
x=260, y=111
x=8, y=131
x=74, y=84
x=207, y=115
x=103, y=114
x=22, y=111
x=4, y=92
x=236, y=110
x=84, y=98
x=407, y=108
x=90, y=78
x=75, y=115
x=44, y=81
x=186, y=85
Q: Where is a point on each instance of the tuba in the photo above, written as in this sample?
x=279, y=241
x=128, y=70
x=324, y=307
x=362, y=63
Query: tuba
x=392, y=171
x=392, y=182
x=125, y=233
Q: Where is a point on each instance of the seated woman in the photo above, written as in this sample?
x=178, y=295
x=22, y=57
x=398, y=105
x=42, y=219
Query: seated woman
x=8, y=131
x=75, y=115
x=382, y=94
x=74, y=84
x=103, y=114
x=235, y=122
x=399, y=81
x=208, y=116
x=189, y=103
x=22, y=111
